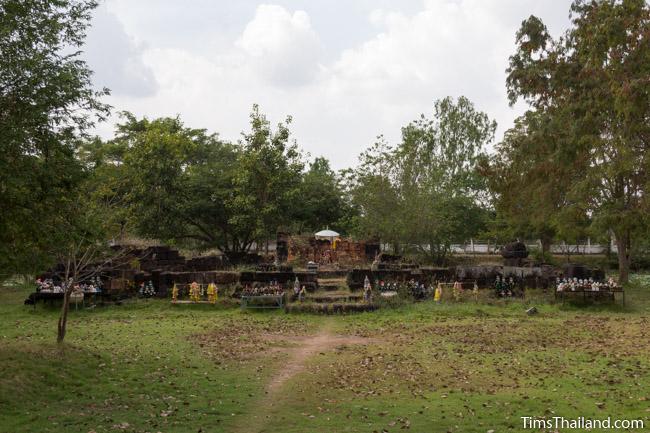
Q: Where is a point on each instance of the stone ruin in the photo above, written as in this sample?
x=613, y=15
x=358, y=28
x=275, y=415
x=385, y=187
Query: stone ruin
x=514, y=253
x=305, y=249
x=356, y=276
x=388, y=262
x=164, y=267
x=392, y=268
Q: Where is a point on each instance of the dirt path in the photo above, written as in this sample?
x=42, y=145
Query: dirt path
x=305, y=348
x=302, y=349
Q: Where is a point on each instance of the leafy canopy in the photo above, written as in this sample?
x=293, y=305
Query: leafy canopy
x=425, y=192
x=46, y=103
x=595, y=79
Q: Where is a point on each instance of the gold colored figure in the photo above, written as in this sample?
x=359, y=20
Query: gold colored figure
x=195, y=292
x=174, y=293
x=457, y=290
x=212, y=293
x=438, y=293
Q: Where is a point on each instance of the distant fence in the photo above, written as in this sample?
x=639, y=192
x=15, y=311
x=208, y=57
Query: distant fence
x=486, y=247
x=481, y=246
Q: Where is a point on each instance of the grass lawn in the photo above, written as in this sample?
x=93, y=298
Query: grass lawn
x=148, y=366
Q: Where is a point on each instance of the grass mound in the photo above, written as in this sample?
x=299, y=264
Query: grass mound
x=330, y=307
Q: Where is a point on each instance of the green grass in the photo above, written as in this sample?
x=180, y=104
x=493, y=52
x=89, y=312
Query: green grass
x=148, y=366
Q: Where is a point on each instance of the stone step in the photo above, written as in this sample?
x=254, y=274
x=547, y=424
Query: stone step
x=328, y=299
x=329, y=308
x=328, y=287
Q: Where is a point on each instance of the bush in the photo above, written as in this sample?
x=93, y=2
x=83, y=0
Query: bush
x=333, y=308
x=393, y=302
x=541, y=257
x=640, y=262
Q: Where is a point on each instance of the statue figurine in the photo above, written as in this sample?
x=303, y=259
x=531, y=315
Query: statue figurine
x=498, y=286
x=212, y=293
x=296, y=286
x=195, y=292
x=366, y=283
x=437, y=295
x=475, y=291
x=511, y=286
x=174, y=294
x=505, y=287
x=457, y=290
x=367, y=293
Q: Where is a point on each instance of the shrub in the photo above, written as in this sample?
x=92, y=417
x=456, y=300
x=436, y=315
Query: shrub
x=333, y=308
x=542, y=257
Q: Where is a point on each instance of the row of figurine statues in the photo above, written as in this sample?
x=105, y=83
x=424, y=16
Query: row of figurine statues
x=48, y=285
x=274, y=288
x=418, y=290
x=271, y=289
x=505, y=287
x=581, y=285
x=196, y=292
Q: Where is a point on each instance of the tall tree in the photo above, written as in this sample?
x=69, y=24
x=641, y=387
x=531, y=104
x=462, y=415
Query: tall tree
x=79, y=231
x=190, y=188
x=595, y=77
x=267, y=180
x=46, y=102
x=178, y=181
x=528, y=186
x=322, y=202
x=425, y=192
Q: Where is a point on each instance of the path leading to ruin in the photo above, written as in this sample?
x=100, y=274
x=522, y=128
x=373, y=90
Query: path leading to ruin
x=298, y=356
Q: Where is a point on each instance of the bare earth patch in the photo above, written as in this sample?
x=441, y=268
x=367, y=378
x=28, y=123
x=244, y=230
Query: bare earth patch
x=297, y=350
x=242, y=340
x=305, y=348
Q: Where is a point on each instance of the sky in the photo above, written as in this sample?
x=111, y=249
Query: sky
x=346, y=71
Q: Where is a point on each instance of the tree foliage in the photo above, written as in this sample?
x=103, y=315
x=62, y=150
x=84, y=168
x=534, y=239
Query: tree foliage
x=523, y=175
x=268, y=177
x=178, y=180
x=46, y=103
x=595, y=80
x=188, y=187
x=321, y=200
x=425, y=192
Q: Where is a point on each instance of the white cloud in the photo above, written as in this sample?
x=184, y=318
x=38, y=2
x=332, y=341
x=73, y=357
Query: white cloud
x=281, y=46
x=448, y=47
x=116, y=58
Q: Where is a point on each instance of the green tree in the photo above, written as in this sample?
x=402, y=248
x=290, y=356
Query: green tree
x=267, y=181
x=187, y=187
x=529, y=187
x=595, y=78
x=109, y=183
x=425, y=192
x=178, y=181
x=46, y=103
x=78, y=232
x=322, y=202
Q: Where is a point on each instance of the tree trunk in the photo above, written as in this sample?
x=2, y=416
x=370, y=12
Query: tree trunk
x=63, y=319
x=546, y=244
x=623, y=251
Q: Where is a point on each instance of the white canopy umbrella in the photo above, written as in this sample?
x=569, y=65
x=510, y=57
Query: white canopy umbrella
x=326, y=234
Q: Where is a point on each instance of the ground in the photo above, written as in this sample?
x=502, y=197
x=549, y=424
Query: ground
x=148, y=366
